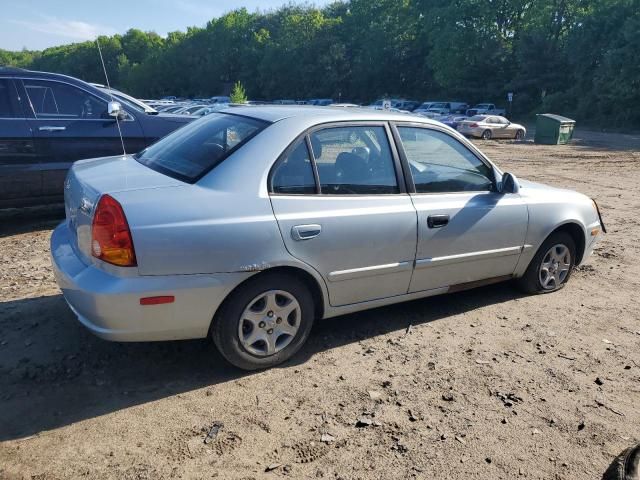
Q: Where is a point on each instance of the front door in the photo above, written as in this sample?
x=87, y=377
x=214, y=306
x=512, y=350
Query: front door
x=467, y=231
x=342, y=209
x=20, y=174
x=72, y=124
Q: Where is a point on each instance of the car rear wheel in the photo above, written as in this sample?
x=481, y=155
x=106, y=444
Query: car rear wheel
x=486, y=135
x=552, y=265
x=519, y=135
x=264, y=322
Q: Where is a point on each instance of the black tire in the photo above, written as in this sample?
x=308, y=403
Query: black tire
x=519, y=135
x=626, y=466
x=224, y=330
x=530, y=281
x=486, y=135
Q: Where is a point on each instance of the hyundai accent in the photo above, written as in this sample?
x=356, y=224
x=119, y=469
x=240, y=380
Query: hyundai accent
x=247, y=225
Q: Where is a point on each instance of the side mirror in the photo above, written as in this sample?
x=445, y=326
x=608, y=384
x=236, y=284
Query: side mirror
x=509, y=183
x=114, y=109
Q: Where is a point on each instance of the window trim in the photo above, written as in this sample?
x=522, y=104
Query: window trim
x=397, y=163
x=407, y=169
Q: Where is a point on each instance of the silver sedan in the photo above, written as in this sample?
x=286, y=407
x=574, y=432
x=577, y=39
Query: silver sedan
x=247, y=225
x=491, y=126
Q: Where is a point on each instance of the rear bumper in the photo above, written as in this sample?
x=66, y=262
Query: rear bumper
x=109, y=305
x=470, y=132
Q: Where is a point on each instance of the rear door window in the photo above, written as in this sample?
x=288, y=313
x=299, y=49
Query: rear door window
x=354, y=160
x=192, y=151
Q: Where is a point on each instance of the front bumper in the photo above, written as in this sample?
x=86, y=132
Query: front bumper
x=594, y=232
x=109, y=305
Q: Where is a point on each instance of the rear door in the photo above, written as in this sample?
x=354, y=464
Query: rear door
x=70, y=123
x=20, y=175
x=467, y=231
x=342, y=208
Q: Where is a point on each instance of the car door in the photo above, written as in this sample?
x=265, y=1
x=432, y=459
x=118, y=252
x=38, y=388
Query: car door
x=20, y=175
x=467, y=230
x=70, y=123
x=503, y=128
x=342, y=208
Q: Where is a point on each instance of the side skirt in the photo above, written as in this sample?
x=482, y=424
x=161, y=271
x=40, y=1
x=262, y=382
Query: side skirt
x=357, y=307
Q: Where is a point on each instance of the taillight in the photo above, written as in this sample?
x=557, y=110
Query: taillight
x=474, y=125
x=111, y=238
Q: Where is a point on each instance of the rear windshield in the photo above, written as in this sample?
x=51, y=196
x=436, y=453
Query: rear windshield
x=477, y=118
x=192, y=151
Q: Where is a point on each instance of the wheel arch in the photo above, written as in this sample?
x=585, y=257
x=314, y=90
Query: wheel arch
x=320, y=299
x=577, y=232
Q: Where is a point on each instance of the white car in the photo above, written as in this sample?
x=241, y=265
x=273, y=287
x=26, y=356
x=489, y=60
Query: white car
x=491, y=126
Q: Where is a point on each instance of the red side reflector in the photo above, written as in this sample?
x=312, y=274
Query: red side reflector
x=157, y=300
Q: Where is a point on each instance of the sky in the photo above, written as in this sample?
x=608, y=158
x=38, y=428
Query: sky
x=38, y=24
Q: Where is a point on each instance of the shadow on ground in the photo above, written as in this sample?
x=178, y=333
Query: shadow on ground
x=14, y=221
x=54, y=373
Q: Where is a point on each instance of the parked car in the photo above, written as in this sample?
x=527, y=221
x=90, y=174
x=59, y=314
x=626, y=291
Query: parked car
x=423, y=107
x=491, y=126
x=220, y=99
x=247, y=228
x=127, y=99
x=408, y=105
x=320, y=102
x=433, y=113
x=436, y=109
x=395, y=102
x=171, y=108
x=189, y=109
x=485, y=109
x=216, y=107
x=452, y=120
x=50, y=120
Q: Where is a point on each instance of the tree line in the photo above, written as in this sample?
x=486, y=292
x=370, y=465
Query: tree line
x=574, y=57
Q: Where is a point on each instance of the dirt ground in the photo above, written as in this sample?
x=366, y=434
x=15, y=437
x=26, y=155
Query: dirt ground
x=485, y=384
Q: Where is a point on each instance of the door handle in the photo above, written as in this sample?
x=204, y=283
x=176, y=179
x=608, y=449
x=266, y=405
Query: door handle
x=51, y=128
x=305, y=232
x=437, y=221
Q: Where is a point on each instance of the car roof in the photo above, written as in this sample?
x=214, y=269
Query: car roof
x=275, y=113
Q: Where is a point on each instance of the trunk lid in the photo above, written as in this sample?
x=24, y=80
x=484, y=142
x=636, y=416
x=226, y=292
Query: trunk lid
x=87, y=180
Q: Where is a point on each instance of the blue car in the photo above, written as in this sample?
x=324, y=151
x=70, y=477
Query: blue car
x=49, y=121
x=452, y=120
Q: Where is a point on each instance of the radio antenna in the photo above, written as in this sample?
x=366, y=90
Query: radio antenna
x=104, y=69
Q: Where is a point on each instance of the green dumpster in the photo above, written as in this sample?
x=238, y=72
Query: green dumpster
x=553, y=129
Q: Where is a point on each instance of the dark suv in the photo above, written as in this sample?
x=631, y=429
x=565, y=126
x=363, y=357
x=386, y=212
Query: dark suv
x=48, y=121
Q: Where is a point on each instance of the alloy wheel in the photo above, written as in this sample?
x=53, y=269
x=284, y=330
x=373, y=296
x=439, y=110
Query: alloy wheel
x=555, y=267
x=269, y=323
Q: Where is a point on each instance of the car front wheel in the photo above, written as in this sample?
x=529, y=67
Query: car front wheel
x=552, y=265
x=264, y=322
x=519, y=135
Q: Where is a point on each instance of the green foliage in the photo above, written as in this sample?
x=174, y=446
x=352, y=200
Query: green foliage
x=574, y=57
x=238, y=95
